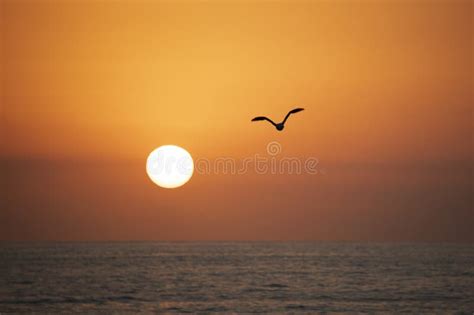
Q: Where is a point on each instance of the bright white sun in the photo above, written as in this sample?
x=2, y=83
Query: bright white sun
x=169, y=166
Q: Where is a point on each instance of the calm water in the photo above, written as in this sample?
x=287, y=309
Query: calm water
x=236, y=277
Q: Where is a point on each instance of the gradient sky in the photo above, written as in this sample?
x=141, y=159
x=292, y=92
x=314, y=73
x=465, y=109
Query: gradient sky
x=90, y=88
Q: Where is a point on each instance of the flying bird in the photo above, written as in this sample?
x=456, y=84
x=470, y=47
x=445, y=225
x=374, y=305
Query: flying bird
x=281, y=125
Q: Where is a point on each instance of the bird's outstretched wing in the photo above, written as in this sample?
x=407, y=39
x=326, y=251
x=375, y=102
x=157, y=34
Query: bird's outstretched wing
x=258, y=118
x=292, y=112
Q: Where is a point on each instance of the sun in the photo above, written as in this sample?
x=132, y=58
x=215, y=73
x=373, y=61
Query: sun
x=170, y=166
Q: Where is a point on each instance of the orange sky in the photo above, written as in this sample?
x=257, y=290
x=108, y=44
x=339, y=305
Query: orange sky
x=89, y=88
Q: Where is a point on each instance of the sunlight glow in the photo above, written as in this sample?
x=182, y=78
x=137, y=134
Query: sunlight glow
x=170, y=166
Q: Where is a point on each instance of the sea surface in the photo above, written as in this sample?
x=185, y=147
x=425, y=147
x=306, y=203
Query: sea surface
x=233, y=277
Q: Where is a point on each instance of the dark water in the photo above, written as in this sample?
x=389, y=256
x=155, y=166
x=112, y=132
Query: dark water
x=236, y=277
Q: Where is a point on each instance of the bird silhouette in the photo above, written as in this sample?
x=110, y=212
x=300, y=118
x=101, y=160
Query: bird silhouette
x=281, y=125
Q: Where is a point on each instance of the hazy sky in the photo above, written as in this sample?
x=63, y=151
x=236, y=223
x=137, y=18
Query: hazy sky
x=90, y=88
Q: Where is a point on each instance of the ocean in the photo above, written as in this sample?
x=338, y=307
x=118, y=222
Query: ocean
x=236, y=277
